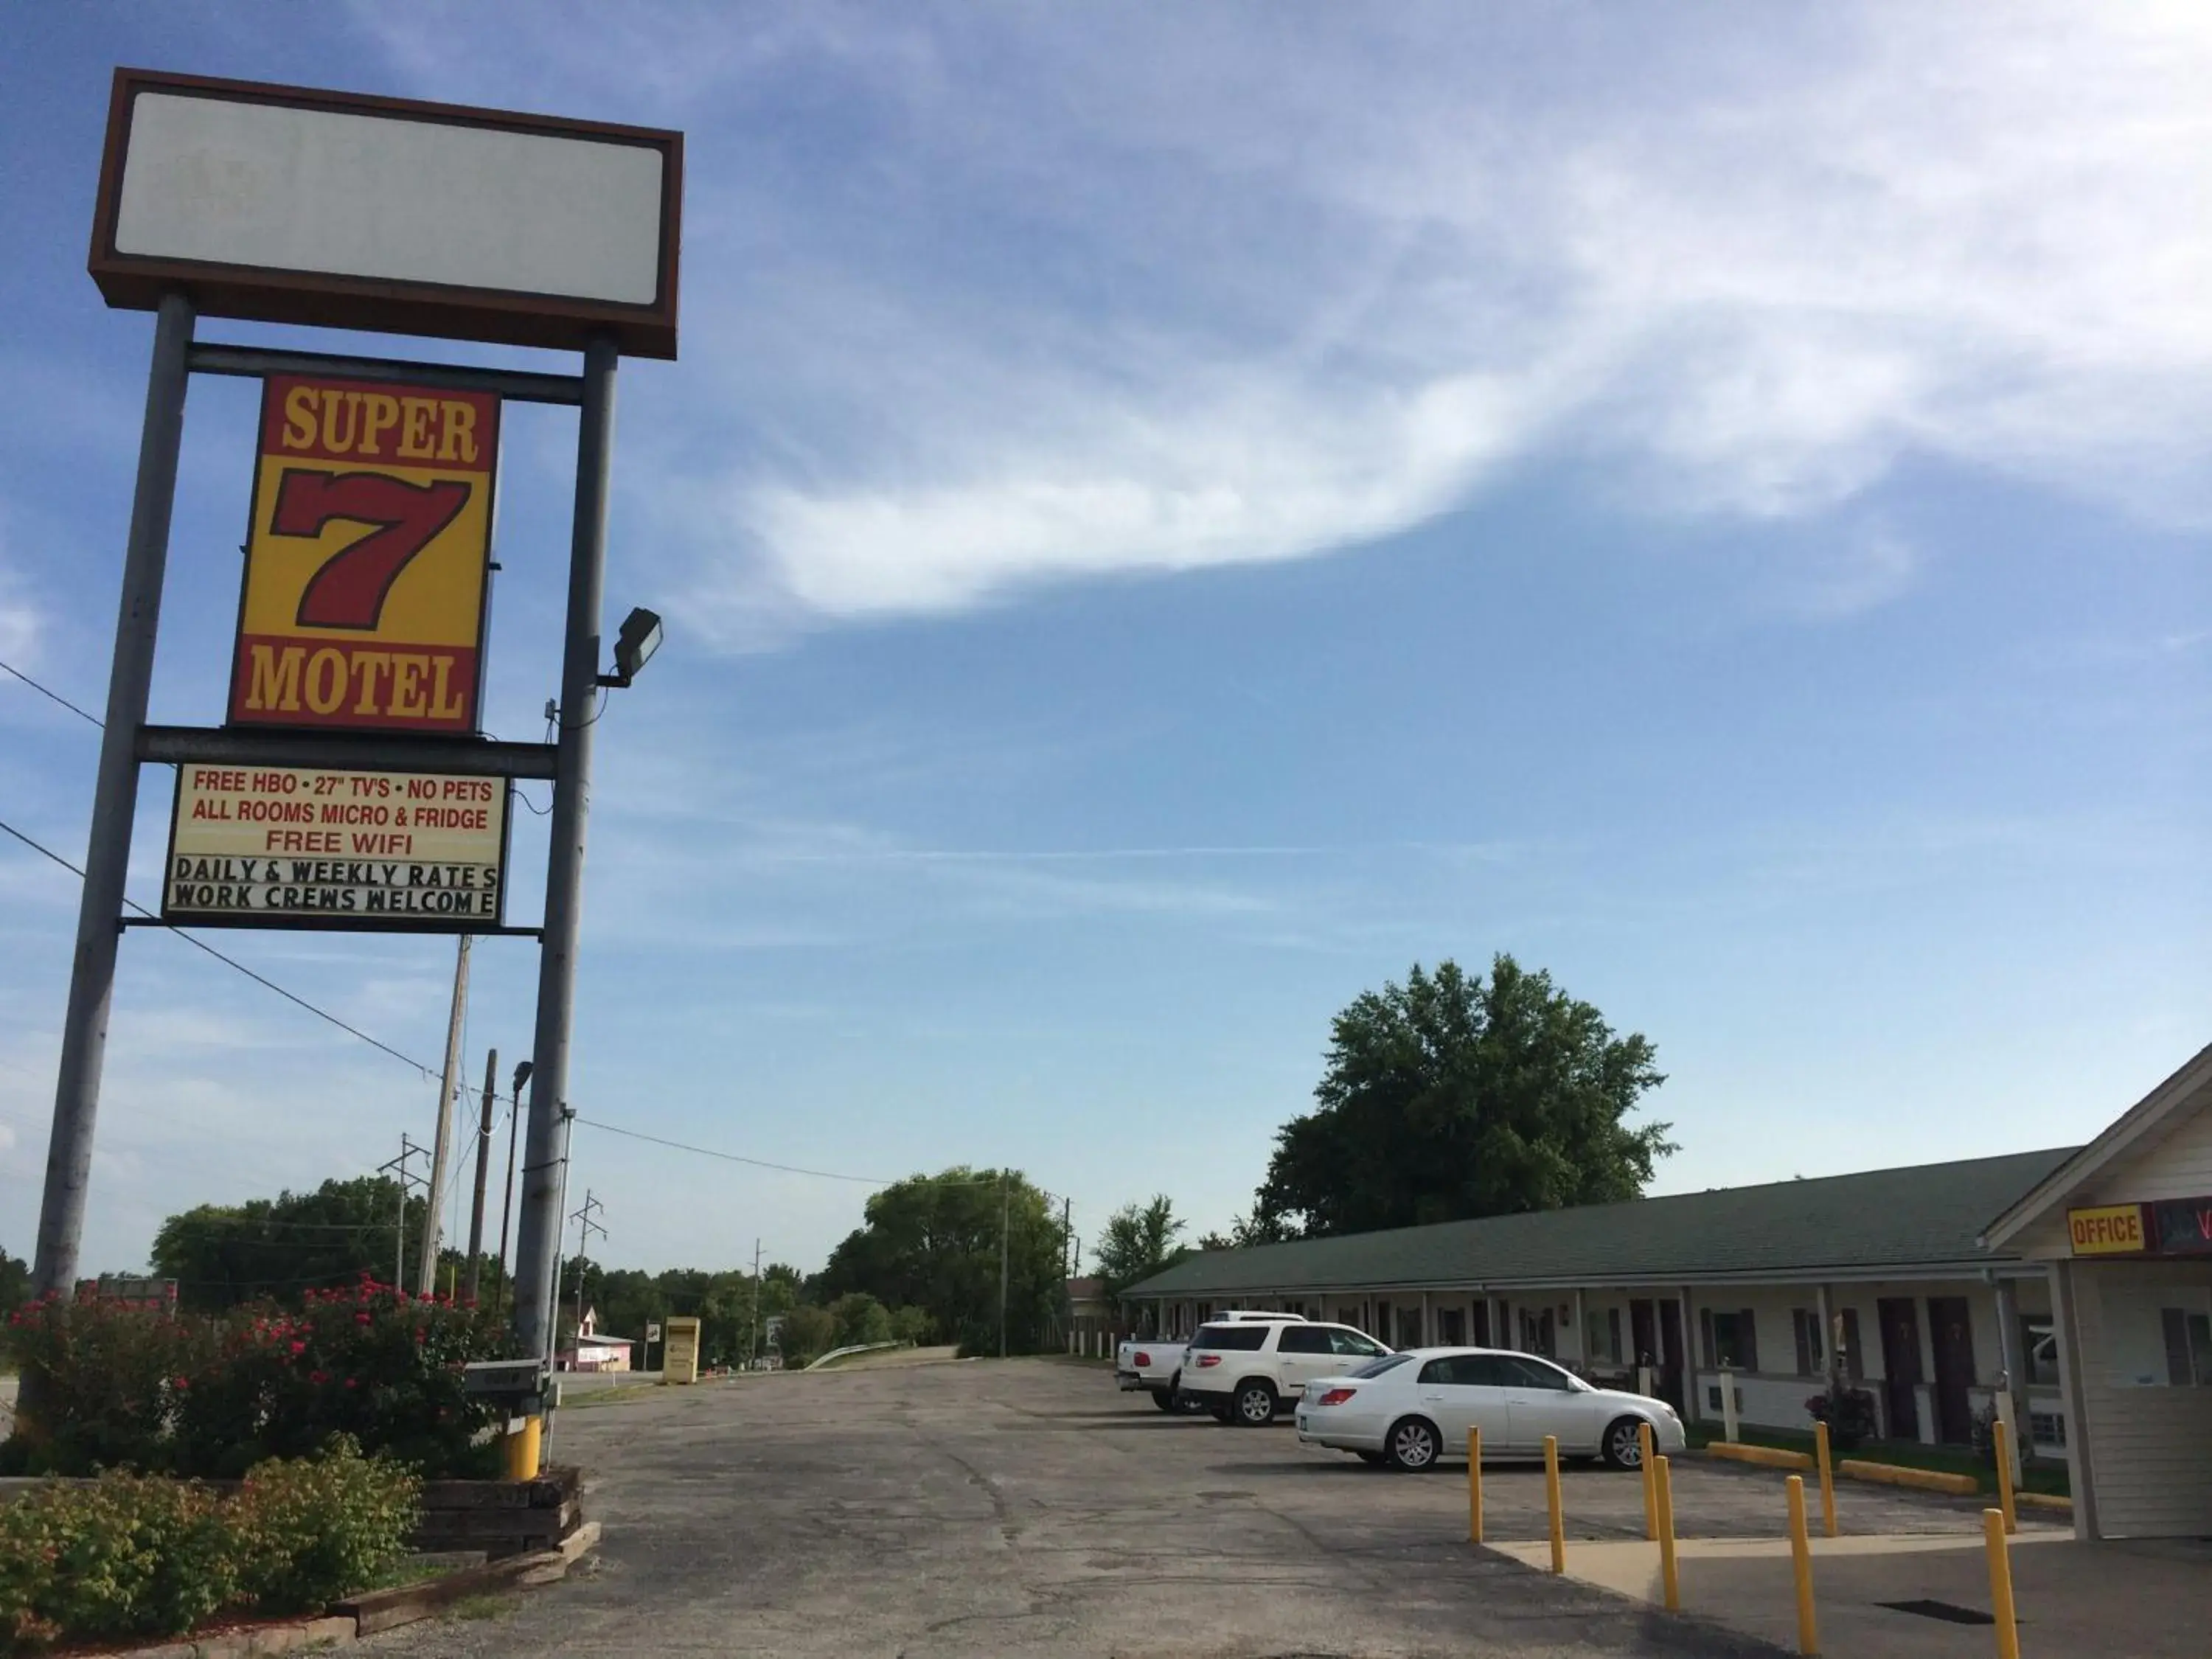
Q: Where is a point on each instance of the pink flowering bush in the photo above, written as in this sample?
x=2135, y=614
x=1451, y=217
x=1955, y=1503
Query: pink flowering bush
x=125, y=1387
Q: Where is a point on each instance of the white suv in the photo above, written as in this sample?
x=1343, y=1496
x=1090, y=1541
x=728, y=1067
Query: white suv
x=1243, y=1373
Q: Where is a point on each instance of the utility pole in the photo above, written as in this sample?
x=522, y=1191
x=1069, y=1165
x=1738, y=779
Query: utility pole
x=484, y=1171
x=1003, y=1200
x=752, y=1320
x=444, y=1144
x=402, y=1175
x=507, y=1204
x=114, y=805
x=586, y=1226
x=545, y=1166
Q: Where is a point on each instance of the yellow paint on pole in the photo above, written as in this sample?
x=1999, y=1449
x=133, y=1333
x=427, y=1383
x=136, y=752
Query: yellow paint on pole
x=2000, y=1553
x=1669, y=1579
x=522, y=1449
x=1828, y=1479
x=1551, y=1492
x=2002, y=1432
x=1651, y=1493
x=1474, y=1484
x=1801, y=1565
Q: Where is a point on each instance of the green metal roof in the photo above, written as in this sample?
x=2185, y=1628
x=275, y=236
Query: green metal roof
x=1929, y=1215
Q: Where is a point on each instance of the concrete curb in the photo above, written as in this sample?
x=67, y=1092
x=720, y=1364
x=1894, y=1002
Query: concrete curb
x=2043, y=1500
x=1897, y=1474
x=1772, y=1457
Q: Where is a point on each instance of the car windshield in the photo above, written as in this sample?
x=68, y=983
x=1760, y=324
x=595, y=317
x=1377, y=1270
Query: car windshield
x=1376, y=1367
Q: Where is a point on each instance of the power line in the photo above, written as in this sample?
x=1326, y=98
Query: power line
x=732, y=1158
x=52, y=695
x=228, y=961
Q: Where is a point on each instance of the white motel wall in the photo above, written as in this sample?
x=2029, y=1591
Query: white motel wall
x=1937, y=1288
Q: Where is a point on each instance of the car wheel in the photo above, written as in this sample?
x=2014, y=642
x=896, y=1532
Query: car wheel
x=1255, y=1405
x=1413, y=1444
x=1165, y=1399
x=1622, y=1448
x=1220, y=1414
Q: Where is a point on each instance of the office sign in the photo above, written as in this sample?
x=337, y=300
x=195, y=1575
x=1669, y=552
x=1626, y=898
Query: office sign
x=367, y=551
x=2107, y=1229
x=289, y=205
x=304, y=846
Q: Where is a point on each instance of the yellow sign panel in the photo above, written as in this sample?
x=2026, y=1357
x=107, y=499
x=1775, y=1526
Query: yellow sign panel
x=2107, y=1229
x=366, y=558
x=275, y=846
x=679, y=1360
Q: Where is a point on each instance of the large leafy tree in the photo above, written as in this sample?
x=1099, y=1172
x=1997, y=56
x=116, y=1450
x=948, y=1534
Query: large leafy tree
x=1451, y=1095
x=931, y=1242
x=1137, y=1241
x=221, y=1254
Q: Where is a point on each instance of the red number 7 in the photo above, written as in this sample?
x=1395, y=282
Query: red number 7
x=349, y=590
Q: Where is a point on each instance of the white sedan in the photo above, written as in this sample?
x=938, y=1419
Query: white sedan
x=1413, y=1410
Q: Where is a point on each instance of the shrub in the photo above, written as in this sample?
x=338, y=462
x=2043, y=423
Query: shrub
x=106, y=1376
x=910, y=1325
x=130, y=1387
x=131, y=1555
x=144, y=1555
x=1849, y=1413
x=371, y=1362
x=315, y=1530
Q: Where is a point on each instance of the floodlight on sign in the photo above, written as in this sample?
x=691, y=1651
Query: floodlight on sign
x=636, y=642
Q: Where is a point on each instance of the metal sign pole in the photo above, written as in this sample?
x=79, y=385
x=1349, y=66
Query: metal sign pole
x=114, y=805
x=537, y=1253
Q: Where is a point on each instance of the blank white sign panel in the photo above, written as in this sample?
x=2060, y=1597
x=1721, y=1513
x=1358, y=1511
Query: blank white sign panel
x=237, y=183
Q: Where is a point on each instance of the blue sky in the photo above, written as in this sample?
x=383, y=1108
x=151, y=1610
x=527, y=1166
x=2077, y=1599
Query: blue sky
x=1168, y=516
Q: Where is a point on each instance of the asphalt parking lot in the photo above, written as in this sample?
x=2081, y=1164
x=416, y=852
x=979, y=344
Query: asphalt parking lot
x=1026, y=1507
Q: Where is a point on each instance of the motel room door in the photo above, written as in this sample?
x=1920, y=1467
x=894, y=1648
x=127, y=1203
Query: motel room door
x=1953, y=1330
x=1900, y=1366
x=1659, y=1344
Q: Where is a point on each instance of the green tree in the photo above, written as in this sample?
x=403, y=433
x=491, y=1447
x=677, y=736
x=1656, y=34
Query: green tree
x=861, y=1318
x=14, y=1283
x=1450, y=1096
x=1138, y=1241
x=931, y=1242
x=808, y=1333
x=221, y=1254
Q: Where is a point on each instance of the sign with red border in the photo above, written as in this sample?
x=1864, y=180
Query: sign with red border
x=368, y=550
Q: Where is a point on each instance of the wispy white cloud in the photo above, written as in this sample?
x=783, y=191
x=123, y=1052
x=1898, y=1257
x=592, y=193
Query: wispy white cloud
x=980, y=299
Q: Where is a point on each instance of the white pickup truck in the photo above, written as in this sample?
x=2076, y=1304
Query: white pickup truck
x=1156, y=1367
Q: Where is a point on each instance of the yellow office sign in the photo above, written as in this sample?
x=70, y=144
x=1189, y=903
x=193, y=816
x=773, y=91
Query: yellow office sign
x=2107, y=1229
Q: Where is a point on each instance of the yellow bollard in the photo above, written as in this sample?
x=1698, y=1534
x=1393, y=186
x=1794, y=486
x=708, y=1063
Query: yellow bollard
x=2004, y=1438
x=1801, y=1562
x=522, y=1449
x=2000, y=1549
x=1651, y=1493
x=1551, y=1490
x=1828, y=1479
x=1664, y=1486
x=1474, y=1485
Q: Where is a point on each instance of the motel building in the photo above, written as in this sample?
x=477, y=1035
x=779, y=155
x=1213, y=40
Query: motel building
x=2069, y=1281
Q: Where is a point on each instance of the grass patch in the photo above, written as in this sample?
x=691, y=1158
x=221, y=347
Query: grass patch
x=479, y=1608
x=2043, y=1474
x=613, y=1396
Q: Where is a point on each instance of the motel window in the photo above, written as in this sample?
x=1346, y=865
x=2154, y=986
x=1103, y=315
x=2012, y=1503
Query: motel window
x=1731, y=1338
x=1612, y=1349
x=1811, y=1354
x=2047, y=1429
x=2188, y=1347
x=1452, y=1327
x=2039, y=1344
